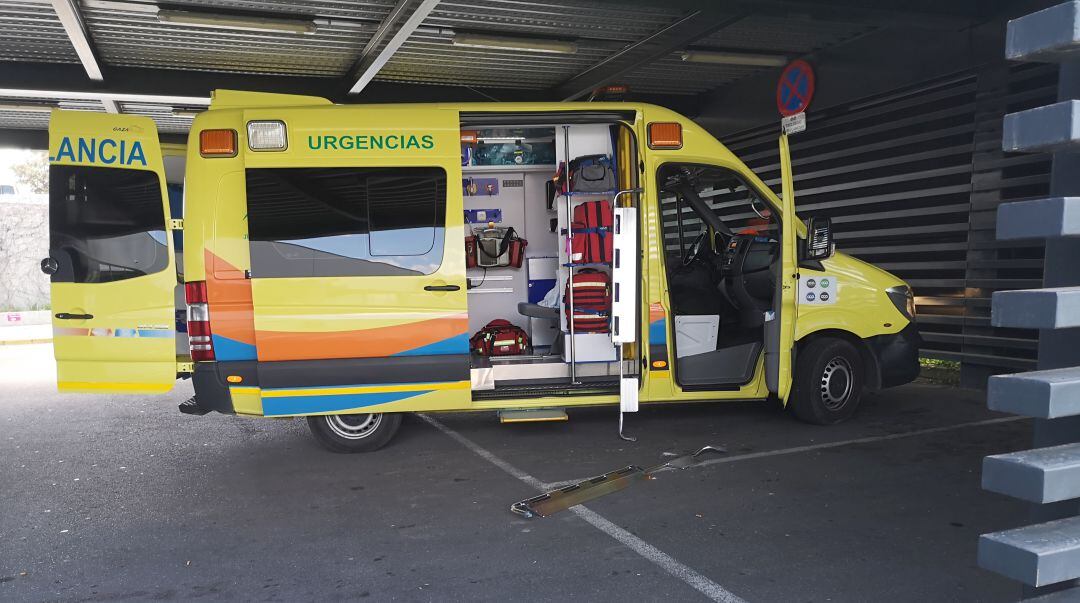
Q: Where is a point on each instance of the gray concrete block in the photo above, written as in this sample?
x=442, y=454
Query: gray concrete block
x=1050, y=128
x=1047, y=394
x=1039, y=218
x=1037, y=555
x=1036, y=308
x=1043, y=475
x=1048, y=36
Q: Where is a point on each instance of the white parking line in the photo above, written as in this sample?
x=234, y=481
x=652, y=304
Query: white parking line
x=811, y=447
x=705, y=586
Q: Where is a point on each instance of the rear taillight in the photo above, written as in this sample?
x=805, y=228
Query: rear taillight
x=198, y=314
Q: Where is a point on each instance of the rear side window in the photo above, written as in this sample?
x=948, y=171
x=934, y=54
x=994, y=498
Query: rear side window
x=306, y=222
x=105, y=224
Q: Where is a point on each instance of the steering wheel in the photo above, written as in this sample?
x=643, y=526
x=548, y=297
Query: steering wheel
x=695, y=248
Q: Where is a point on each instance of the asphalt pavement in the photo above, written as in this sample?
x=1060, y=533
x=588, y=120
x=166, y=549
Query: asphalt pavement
x=122, y=498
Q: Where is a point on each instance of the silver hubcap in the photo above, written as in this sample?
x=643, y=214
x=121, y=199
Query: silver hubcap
x=836, y=383
x=353, y=427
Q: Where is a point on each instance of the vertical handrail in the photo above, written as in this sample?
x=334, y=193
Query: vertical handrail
x=570, y=246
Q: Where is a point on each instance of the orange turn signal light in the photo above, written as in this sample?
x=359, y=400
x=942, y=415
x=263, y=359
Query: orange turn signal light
x=665, y=135
x=659, y=364
x=217, y=143
x=234, y=379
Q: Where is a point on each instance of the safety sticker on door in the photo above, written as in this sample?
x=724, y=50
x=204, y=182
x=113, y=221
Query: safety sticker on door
x=818, y=290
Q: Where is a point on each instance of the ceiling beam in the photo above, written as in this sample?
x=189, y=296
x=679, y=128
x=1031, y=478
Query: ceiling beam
x=403, y=20
x=107, y=98
x=71, y=18
x=192, y=88
x=183, y=89
x=676, y=36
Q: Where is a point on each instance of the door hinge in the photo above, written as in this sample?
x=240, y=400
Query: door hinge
x=185, y=367
x=176, y=224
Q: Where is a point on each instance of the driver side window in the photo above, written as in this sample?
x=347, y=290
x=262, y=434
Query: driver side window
x=737, y=205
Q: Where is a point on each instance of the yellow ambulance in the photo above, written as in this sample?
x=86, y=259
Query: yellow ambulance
x=349, y=263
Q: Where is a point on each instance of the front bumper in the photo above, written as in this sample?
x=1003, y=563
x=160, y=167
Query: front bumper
x=897, y=356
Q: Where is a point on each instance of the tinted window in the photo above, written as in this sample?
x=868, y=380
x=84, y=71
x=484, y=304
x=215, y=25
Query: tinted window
x=105, y=224
x=345, y=221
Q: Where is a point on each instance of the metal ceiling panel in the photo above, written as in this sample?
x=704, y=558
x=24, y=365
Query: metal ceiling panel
x=553, y=18
x=30, y=31
x=431, y=58
x=129, y=34
x=794, y=34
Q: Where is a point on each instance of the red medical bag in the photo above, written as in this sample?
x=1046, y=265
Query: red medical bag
x=593, y=235
x=592, y=301
x=500, y=338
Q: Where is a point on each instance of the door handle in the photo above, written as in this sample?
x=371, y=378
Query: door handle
x=442, y=288
x=66, y=316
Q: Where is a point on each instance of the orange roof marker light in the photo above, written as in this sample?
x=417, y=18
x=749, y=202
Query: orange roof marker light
x=217, y=143
x=665, y=135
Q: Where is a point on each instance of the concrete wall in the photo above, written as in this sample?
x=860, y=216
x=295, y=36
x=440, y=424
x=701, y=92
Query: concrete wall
x=24, y=241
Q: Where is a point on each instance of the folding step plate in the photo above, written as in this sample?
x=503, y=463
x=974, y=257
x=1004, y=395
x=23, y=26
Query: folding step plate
x=532, y=415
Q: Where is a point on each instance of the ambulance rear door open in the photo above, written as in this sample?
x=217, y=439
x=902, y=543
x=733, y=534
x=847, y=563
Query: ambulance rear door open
x=111, y=255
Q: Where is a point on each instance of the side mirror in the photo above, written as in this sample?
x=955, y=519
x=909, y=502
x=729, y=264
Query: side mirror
x=49, y=266
x=819, y=239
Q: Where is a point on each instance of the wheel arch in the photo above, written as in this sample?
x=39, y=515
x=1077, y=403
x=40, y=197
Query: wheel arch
x=869, y=359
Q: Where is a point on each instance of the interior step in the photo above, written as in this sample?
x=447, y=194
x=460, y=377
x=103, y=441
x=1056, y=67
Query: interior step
x=532, y=415
x=1036, y=308
x=597, y=388
x=1037, y=555
x=1043, y=475
x=1043, y=394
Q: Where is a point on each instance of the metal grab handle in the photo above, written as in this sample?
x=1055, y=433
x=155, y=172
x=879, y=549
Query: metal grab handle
x=442, y=288
x=66, y=316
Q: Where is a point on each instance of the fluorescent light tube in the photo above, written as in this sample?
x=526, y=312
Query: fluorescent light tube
x=270, y=24
x=734, y=58
x=528, y=44
x=26, y=108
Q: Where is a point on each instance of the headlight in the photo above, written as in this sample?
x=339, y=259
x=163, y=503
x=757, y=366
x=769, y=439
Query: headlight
x=904, y=300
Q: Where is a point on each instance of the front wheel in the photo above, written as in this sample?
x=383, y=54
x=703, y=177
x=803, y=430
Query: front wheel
x=354, y=433
x=828, y=381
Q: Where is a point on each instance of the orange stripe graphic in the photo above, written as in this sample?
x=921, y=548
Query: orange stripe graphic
x=361, y=343
x=232, y=312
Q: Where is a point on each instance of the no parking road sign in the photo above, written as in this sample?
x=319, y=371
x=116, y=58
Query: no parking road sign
x=795, y=89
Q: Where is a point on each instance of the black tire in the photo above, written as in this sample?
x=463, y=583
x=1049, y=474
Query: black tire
x=828, y=384
x=354, y=433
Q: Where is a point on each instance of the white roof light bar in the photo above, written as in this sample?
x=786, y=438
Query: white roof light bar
x=734, y=58
x=268, y=24
x=527, y=44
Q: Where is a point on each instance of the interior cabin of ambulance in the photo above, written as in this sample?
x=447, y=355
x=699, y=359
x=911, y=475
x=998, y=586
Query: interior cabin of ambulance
x=551, y=248
x=539, y=247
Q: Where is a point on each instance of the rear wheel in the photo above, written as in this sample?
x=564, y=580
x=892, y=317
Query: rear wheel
x=354, y=433
x=828, y=381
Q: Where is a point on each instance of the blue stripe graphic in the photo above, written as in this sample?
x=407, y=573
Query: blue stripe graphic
x=231, y=349
x=297, y=405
